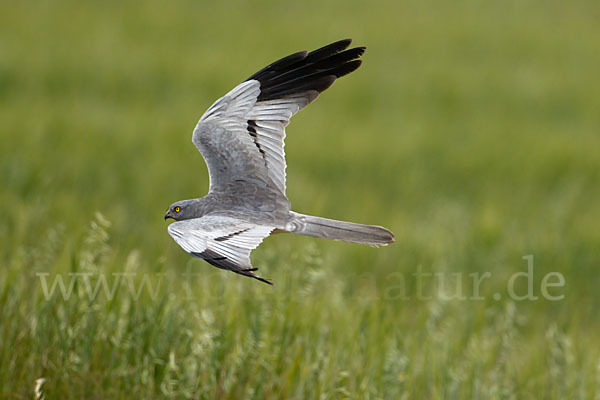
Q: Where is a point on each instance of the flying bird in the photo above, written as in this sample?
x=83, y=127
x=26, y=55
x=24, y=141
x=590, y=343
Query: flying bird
x=241, y=137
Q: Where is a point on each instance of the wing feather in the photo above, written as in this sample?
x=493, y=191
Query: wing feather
x=241, y=136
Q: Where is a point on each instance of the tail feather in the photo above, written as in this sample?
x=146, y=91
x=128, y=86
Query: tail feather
x=339, y=230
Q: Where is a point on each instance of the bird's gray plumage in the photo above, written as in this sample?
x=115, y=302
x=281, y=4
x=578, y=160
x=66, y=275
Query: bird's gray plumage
x=241, y=137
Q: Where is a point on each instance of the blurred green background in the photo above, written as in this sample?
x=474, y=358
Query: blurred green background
x=472, y=131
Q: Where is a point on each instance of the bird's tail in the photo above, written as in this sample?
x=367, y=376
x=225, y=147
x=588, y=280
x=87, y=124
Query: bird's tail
x=339, y=230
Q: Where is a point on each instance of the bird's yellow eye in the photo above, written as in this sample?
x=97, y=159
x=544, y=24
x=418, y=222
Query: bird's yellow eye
x=177, y=209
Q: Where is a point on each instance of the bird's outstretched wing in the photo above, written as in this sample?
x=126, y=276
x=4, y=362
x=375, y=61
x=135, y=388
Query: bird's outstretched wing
x=224, y=242
x=241, y=136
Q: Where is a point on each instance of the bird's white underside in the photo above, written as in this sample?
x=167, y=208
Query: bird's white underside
x=199, y=234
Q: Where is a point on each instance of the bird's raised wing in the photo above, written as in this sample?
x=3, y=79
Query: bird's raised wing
x=224, y=242
x=241, y=136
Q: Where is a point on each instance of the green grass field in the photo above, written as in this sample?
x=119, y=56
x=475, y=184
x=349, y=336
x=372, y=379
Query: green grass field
x=472, y=131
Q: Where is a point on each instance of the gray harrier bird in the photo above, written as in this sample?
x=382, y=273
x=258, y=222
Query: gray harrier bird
x=241, y=139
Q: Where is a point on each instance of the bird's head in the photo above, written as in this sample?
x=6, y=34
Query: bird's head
x=179, y=211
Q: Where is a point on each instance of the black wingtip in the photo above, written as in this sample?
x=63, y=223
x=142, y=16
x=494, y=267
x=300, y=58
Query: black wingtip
x=263, y=280
x=328, y=50
x=308, y=72
x=219, y=261
x=249, y=272
x=348, y=68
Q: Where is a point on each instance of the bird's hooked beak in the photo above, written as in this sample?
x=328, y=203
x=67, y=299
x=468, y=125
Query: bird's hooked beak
x=167, y=216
